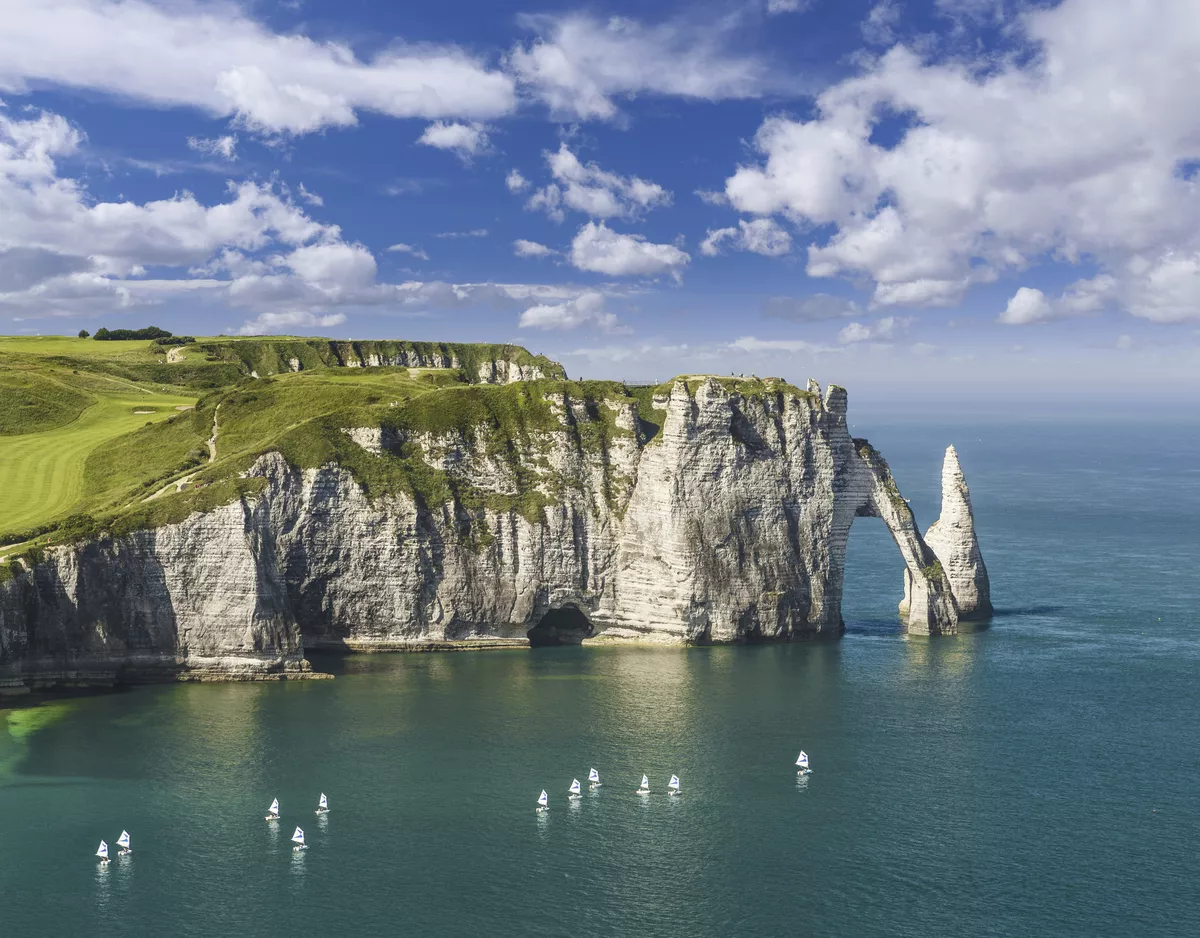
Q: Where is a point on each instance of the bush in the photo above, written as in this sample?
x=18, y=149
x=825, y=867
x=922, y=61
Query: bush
x=175, y=340
x=83, y=333
x=119, y=335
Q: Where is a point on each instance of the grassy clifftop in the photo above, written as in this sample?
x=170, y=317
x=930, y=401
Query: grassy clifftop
x=97, y=451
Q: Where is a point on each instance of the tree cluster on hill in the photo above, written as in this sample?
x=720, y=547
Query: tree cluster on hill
x=117, y=335
x=175, y=340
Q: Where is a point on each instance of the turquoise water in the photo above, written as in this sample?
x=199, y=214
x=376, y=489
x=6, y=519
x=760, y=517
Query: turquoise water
x=1038, y=777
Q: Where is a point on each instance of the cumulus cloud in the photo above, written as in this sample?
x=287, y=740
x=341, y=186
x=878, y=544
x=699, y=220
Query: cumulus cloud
x=402, y=248
x=585, y=309
x=882, y=330
x=218, y=59
x=587, y=188
x=466, y=141
x=224, y=147
x=515, y=181
x=760, y=236
x=523, y=248
x=600, y=249
x=281, y=322
x=581, y=64
x=1027, y=305
x=1068, y=156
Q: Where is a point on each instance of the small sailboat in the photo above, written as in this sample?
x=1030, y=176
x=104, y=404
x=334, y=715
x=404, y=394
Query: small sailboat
x=298, y=840
x=645, y=789
x=593, y=779
x=573, y=791
x=273, y=811
x=543, y=801
x=102, y=852
x=123, y=843
x=323, y=805
x=673, y=785
x=802, y=763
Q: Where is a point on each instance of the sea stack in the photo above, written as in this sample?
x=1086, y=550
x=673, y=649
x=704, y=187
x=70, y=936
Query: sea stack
x=952, y=539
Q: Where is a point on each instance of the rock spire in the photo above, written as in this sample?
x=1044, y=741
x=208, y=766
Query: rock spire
x=952, y=539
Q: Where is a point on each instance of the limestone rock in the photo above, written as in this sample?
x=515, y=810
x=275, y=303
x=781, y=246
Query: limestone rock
x=952, y=539
x=727, y=524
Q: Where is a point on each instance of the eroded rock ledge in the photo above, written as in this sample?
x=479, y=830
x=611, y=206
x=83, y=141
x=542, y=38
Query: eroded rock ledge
x=727, y=522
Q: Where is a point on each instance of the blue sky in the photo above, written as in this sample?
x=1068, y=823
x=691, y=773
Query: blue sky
x=965, y=196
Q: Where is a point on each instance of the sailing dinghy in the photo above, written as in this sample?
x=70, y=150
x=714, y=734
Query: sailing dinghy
x=573, y=791
x=593, y=778
x=273, y=811
x=323, y=805
x=673, y=785
x=298, y=840
x=802, y=763
x=123, y=843
x=645, y=789
x=102, y=852
x=543, y=801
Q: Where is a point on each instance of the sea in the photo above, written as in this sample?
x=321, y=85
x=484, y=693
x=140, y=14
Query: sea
x=1040, y=776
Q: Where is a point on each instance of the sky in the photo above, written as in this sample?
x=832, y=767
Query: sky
x=944, y=199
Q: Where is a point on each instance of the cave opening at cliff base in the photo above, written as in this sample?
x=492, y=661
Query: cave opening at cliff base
x=566, y=625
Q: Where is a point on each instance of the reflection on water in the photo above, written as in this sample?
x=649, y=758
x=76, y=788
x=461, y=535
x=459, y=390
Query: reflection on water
x=801, y=782
x=103, y=883
x=298, y=867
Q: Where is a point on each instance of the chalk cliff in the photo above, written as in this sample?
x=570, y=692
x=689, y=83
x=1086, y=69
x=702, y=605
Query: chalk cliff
x=719, y=514
x=952, y=540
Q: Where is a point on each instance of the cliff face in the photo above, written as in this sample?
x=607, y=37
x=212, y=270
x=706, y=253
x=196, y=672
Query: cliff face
x=725, y=522
x=952, y=539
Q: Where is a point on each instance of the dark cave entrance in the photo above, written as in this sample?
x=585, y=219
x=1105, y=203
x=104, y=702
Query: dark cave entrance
x=565, y=626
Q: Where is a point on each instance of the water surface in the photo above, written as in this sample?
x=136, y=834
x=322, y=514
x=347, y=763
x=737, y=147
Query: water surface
x=1038, y=777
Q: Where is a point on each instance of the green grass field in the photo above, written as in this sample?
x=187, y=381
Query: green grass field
x=42, y=474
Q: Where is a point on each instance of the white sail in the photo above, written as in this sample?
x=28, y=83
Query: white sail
x=543, y=799
x=574, y=789
x=274, y=809
x=645, y=782
x=298, y=837
x=324, y=802
x=674, y=782
x=802, y=759
x=123, y=840
x=102, y=851
x=593, y=775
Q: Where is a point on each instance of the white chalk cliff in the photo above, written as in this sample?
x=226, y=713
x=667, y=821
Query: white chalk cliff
x=727, y=522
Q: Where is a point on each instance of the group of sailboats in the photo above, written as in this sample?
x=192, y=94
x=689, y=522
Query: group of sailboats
x=574, y=790
x=123, y=842
x=298, y=834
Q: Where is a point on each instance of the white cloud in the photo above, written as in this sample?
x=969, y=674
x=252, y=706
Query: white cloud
x=879, y=28
x=712, y=198
x=1124, y=342
x=472, y=233
x=464, y=140
x=311, y=197
x=600, y=249
x=749, y=343
x=548, y=199
x=587, y=308
x=402, y=248
x=813, y=308
x=214, y=57
x=587, y=188
x=280, y=322
x=760, y=236
x=515, y=181
x=787, y=6
x=1027, y=305
x=224, y=147
x=1069, y=156
x=523, y=248
x=580, y=64
x=882, y=330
